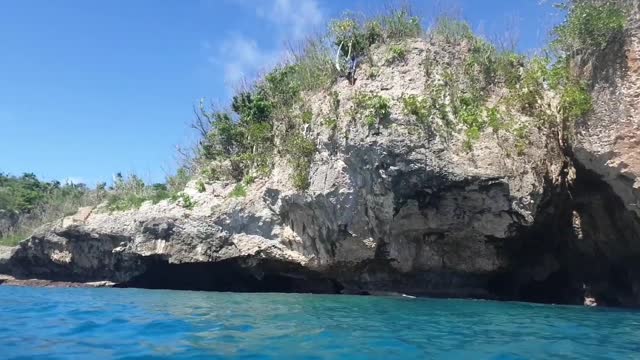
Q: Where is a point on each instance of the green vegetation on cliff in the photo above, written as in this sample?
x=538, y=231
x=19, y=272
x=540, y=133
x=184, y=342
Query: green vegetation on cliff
x=267, y=120
x=590, y=25
x=243, y=138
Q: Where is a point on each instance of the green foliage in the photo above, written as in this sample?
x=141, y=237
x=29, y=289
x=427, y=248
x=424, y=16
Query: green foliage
x=452, y=30
x=331, y=123
x=380, y=106
x=301, y=175
x=280, y=90
x=306, y=116
x=249, y=179
x=396, y=53
x=370, y=120
x=246, y=143
x=374, y=33
x=187, y=202
x=350, y=38
x=238, y=191
x=373, y=73
x=23, y=194
x=243, y=139
x=472, y=134
x=371, y=108
x=240, y=188
x=300, y=152
x=418, y=107
x=471, y=111
x=575, y=101
x=225, y=139
x=210, y=174
x=178, y=181
x=200, y=186
x=158, y=192
x=184, y=200
x=131, y=192
x=400, y=24
x=529, y=91
x=521, y=133
x=13, y=239
x=353, y=37
x=589, y=25
x=487, y=66
x=335, y=103
x=256, y=107
x=27, y=202
x=537, y=75
x=298, y=145
x=494, y=119
x=314, y=67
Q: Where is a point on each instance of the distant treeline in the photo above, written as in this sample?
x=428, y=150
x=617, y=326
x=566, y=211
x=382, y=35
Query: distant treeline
x=27, y=202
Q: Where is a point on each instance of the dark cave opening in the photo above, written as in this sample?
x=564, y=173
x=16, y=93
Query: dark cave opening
x=560, y=261
x=606, y=255
x=538, y=255
x=233, y=275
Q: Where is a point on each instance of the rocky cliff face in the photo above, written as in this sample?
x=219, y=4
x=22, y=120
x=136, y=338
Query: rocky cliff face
x=606, y=154
x=395, y=207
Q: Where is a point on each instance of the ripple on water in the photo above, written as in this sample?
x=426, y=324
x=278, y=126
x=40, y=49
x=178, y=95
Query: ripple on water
x=131, y=323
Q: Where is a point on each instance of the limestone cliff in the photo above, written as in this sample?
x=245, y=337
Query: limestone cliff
x=606, y=154
x=396, y=205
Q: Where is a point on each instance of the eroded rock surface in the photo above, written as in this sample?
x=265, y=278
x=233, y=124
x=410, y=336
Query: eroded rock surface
x=606, y=154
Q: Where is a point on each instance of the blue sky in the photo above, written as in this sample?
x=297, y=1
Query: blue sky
x=91, y=88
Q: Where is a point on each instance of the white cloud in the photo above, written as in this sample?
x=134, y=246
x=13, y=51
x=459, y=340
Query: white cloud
x=295, y=18
x=241, y=58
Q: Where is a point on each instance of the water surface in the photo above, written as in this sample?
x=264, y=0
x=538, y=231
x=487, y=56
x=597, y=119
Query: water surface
x=139, y=324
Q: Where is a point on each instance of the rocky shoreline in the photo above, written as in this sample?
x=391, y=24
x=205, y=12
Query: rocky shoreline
x=6, y=280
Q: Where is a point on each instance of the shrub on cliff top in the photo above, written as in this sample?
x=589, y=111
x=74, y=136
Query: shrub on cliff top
x=452, y=30
x=314, y=67
x=353, y=37
x=130, y=192
x=400, y=24
x=589, y=25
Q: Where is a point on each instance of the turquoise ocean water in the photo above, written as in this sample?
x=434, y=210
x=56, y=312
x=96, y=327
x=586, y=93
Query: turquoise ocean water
x=147, y=324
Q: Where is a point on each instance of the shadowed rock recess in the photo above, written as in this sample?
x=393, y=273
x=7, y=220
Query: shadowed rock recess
x=396, y=206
